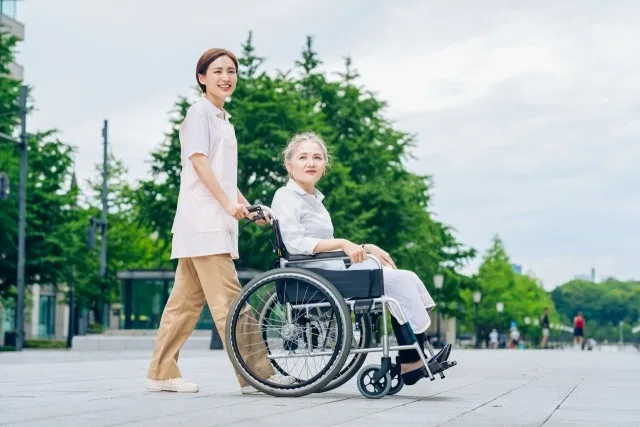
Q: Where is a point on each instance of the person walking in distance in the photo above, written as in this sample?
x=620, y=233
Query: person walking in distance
x=544, y=324
x=578, y=329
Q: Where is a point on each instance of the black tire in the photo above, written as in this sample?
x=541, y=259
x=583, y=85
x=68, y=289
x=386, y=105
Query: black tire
x=339, y=354
x=352, y=366
x=396, y=384
x=368, y=388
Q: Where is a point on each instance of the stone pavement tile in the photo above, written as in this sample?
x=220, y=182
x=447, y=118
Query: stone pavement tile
x=247, y=409
x=529, y=405
x=611, y=389
x=112, y=412
x=442, y=407
x=594, y=417
x=496, y=387
x=347, y=408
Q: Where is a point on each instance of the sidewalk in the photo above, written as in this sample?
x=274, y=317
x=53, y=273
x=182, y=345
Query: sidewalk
x=488, y=387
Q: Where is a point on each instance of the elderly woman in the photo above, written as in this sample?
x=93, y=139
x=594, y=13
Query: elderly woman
x=306, y=228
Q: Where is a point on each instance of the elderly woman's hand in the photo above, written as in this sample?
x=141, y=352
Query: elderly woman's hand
x=385, y=258
x=356, y=253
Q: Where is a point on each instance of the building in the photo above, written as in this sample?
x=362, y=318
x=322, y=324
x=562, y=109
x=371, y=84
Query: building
x=46, y=315
x=143, y=295
x=10, y=24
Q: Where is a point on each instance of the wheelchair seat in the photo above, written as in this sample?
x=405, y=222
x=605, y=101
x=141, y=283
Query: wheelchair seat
x=355, y=284
x=352, y=284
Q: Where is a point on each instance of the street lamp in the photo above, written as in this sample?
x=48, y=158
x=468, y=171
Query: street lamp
x=500, y=308
x=527, y=320
x=477, y=296
x=438, y=281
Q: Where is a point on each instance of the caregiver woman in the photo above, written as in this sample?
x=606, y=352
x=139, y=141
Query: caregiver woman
x=205, y=232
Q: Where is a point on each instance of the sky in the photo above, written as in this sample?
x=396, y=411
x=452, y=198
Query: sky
x=526, y=114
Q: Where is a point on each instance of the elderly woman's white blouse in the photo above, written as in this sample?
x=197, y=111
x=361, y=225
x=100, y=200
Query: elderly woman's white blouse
x=304, y=222
x=201, y=225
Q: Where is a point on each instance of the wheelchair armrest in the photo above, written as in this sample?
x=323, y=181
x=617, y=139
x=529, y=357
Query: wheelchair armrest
x=317, y=257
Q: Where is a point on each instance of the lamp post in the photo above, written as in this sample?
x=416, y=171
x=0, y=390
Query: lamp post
x=22, y=212
x=499, y=309
x=621, y=334
x=477, y=297
x=438, y=281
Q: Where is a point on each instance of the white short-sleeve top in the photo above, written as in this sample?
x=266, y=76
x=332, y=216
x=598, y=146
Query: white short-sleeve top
x=201, y=225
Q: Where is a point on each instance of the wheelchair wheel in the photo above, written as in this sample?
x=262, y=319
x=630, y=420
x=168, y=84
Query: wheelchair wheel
x=361, y=339
x=370, y=388
x=274, y=322
x=396, y=383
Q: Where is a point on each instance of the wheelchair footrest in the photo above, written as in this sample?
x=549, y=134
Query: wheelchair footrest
x=437, y=368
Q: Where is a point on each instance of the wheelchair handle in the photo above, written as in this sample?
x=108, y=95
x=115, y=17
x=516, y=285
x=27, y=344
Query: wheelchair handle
x=260, y=209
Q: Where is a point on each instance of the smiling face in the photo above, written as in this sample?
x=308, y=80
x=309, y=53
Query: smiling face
x=307, y=164
x=220, y=79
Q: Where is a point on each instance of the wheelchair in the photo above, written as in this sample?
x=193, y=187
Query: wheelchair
x=316, y=326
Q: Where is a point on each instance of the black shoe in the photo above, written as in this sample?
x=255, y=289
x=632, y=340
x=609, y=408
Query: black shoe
x=412, y=377
x=443, y=355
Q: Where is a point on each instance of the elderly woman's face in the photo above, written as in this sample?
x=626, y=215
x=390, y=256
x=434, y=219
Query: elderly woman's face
x=307, y=165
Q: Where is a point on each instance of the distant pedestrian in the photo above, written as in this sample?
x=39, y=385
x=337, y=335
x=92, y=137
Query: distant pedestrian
x=514, y=336
x=578, y=329
x=544, y=323
x=493, y=338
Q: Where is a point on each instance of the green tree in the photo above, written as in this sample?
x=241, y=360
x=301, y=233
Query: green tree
x=9, y=88
x=604, y=305
x=521, y=295
x=130, y=244
x=49, y=215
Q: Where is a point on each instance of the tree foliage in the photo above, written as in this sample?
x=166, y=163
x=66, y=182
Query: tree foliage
x=521, y=295
x=604, y=305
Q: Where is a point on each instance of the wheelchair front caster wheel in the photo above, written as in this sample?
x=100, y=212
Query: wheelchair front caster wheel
x=396, y=384
x=370, y=388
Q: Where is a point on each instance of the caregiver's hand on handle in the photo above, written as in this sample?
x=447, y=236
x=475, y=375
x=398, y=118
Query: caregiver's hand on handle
x=236, y=210
x=255, y=211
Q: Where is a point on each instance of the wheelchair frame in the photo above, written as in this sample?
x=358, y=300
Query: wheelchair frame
x=384, y=301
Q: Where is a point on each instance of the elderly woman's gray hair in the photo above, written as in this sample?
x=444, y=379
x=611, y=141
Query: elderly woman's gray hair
x=299, y=139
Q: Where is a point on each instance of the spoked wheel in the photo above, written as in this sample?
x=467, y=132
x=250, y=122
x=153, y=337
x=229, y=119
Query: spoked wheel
x=370, y=388
x=275, y=327
x=361, y=339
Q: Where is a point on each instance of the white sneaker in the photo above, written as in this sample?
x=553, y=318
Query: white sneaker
x=249, y=389
x=177, y=385
x=281, y=379
x=274, y=379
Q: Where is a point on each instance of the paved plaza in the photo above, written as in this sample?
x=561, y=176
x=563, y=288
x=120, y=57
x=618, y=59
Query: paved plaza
x=489, y=387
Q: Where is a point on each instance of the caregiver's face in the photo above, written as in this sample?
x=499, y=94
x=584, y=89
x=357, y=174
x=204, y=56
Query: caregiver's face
x=221, y=77
x=307, y=164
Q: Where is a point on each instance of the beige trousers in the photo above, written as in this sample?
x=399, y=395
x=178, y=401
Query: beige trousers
x=212, y=278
